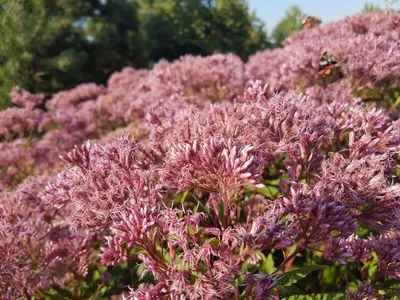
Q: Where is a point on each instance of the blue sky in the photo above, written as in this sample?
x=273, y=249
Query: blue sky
x=271, y=11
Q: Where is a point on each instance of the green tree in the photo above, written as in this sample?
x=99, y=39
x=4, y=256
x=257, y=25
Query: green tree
x=236, y=30
x=172, y=28
x=289, y=23
x=50, y=45
x=370, y=7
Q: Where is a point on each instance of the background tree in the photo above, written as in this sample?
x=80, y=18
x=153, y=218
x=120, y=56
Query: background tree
x=51, y=45
x=234, y=28
x=289, y=23
x=48, y=45
x=172, y=28
x=370, y=7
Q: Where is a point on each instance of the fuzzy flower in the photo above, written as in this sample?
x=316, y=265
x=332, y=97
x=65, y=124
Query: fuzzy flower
x=22, y=122
x=359, y=248
x=74, y=96
x=101, y=181
x=387, y=249
x=37, y=248
x=338, y=250
x=260, y=285
x=25, y=99
x=217, y=166
x=267, y=232
x=364, y=292
x=321, y=217
x=368, y=58
x=225, y=169
x=136, y=228
x=353, y=181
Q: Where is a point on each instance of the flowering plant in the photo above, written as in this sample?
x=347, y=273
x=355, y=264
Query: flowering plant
x=215, y=187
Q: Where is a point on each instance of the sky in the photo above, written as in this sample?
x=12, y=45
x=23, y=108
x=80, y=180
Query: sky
x=271, y=11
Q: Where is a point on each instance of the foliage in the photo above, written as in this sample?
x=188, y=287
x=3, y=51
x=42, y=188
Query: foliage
x=289, y=24
x=48, y=46
x=370, y=7
x=200, y=27
x=239, y=183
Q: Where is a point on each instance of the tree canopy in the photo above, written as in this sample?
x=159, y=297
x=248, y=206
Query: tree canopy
x=51, y=45
x=289, y=23
x=370, y=7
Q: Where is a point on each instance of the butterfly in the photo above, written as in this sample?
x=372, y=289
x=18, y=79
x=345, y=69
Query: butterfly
x=310, y=22
x=329, y=69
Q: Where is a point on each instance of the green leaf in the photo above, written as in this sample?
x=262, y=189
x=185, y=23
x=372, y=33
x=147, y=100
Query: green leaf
x=353, y=285
x=333, y=274
x=57, y=293
x=289, y=290
x=389, y=283
x=54, y=296
x=325, y=296
x=268, y=191
x=183, y=198
x=293, y=276
x=267, y=263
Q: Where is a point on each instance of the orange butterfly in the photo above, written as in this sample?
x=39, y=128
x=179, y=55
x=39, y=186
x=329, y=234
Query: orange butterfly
x=329, y=69
x=310, y=22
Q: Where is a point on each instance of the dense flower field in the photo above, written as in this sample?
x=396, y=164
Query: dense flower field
x=211, y=178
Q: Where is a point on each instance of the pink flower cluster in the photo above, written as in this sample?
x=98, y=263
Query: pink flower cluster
x=37, y=247
x=366, y=45
x=220, y=176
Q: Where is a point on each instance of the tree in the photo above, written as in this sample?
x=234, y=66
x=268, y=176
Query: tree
x=50, y=45
x=290, y=23
x=236, y=30
x=172, y=28
x=370, y=7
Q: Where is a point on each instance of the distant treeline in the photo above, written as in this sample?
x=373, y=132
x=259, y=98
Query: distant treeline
x=52, y=45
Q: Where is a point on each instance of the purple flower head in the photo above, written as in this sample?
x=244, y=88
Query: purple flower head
x=260, y=285
x=231, y=161
x=267, y=232
x=322, y=217
x=22, y=122
x=359, y=248
x=35, y=243
x=101, y=181
x=353, y=181
x=387, y=248
x=25, y=99
x=136, y=228
x=338, y=250
x=364, y=292
x=72, y=97
x=222, y=167
x=368, y=57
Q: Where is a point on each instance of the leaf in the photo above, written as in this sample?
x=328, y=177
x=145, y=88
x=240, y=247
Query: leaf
x=389, y=283
x=289, y=290
x=267, y=263
x=268, y=191
x=54, y=296
x=57, y=293
x=293, y=276
x=333, y=274
x=183, y=198
x=373, y=265
x=325, y=296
